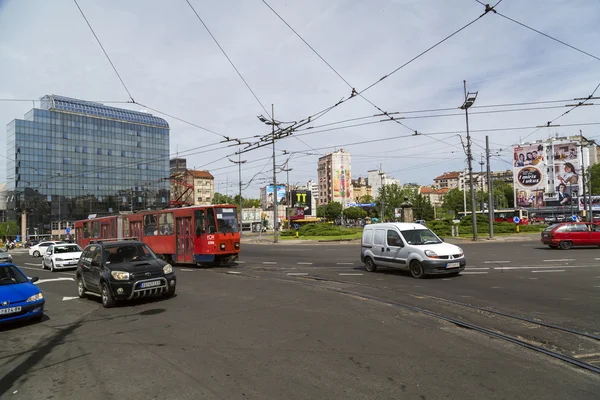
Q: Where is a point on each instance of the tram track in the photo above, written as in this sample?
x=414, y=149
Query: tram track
x=554, y=340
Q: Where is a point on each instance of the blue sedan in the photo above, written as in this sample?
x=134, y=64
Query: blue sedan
x=19, y=297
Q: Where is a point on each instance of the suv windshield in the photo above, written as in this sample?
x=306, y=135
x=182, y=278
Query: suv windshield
x=128, y=253
x=9, y=275
x=227, y=220
x=420, y=236
x=72, y=248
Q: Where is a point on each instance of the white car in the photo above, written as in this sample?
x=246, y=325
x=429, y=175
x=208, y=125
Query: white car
x=60, y=256
x=41, y=247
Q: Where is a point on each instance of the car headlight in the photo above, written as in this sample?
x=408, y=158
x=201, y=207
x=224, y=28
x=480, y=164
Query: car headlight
x=120, y=275
x=431, y=254
x=461, y=252
x=167, y=269
x=10, y=257
x=35, y=297
x=58, y=259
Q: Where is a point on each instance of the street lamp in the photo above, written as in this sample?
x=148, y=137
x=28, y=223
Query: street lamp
x=273, y=123
x=469, y=101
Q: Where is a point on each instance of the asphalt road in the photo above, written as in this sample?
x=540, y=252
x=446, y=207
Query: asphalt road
x=295, y=322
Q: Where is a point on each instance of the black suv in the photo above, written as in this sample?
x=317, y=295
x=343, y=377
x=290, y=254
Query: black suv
x=123, y=270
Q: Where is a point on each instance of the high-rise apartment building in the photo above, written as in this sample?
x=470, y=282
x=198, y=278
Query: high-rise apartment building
x=377, y=179
x=71, y=158
x=334, y=178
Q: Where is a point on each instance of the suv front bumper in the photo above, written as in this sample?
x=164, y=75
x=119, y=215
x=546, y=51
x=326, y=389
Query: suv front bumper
x=127, y=290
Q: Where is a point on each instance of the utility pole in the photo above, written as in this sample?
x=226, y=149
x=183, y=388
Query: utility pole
x=481, y=163
x=489, y=185
x=465, y=192
x=239, y=162
x=275, y=218
x=287, y=188
x=468, y=103
x=583, y=180
x=382, y=191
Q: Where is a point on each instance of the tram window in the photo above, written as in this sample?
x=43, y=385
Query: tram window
x=125, y=227
x=96, y=229
x=165, y=223
x=199, y=222
x=86, y=230
x=150, y=228
x=212, y=227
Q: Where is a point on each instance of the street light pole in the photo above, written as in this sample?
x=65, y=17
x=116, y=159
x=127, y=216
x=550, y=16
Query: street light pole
x=490, y=188
x=469, y=100
x=275, y=218
x=239, y=162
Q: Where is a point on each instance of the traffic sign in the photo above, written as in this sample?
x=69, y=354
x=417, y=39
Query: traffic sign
x=296, y=226
x=574, y=218
x=68, y=231
x=516, y=220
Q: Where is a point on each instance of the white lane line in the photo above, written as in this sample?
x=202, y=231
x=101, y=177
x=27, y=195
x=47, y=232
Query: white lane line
x=533, y=278
x=297, y=273
x=305, y=263
x=186, y=270
x=548, y=266
x=233, y=272
x=473, y=273
x=496, y=262
x=344, y=263
x=41, y=270
x=596, y=286
x=69, y=298
x=560, y=260
x=474, y=268
x=550, y=270
x=269, y=262
x=54, y=280
x=35, y=265
x=446, y=279
x=597, y=259
x=350, y=274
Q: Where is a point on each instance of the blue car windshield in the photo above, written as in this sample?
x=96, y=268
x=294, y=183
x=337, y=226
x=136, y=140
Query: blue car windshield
x=10, y=275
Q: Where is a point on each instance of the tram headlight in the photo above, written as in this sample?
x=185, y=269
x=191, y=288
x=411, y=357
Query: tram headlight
x=222, y=246
x=237, y=245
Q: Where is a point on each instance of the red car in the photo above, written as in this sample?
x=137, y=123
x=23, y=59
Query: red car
x=568, y=234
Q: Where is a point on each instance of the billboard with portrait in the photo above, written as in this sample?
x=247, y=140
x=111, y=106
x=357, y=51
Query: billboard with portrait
x=280, y=195
x=302, y=198
x=342, y=177
x=529, y=175
x=295, y=213
x=567, y=172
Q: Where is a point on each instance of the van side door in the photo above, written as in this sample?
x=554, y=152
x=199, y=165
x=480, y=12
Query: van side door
x=396, y=251
x=379, y=248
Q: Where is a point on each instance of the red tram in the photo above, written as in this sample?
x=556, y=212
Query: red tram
x=188, y=235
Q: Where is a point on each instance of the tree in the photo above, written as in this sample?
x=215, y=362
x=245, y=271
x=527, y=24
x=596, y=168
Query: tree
x=321, y=211
x=595, y=179
x=219, y=198
x=9, y=228
x=251, y=203
x=422, y=208
x=454, y=201
x=354, y=213
x=392, y=196
x=366, y=199
x=333, y=210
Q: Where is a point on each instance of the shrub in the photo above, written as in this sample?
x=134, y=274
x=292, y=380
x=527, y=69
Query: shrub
x=322, y=230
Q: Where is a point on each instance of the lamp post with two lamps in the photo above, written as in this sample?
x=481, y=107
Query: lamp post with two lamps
x=469, y=101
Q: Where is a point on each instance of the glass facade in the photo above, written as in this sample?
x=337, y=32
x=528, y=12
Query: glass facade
x=72, y=158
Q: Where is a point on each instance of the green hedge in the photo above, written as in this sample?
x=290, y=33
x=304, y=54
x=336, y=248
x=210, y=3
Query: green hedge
x=322, y=230
x=444, y=228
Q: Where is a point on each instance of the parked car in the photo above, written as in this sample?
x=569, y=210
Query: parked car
x=568, y=234
x=123, y=270
x=60, y=256
x=30, y=243
x=19, y=297
x=409, y=246
x=4, y=256
x=40, y=248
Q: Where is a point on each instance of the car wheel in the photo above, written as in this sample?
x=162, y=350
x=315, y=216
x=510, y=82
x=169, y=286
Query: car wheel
x=108, y=300
x=566, y=245
x=52, y=269
x=36, y=253
x=370, y=264
x=80, y=288
x=416, y=269
x=43, y=264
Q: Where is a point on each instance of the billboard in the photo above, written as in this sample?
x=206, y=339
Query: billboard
x=567, y=172
x=595, y=203
x=295, y=213
x=251, y=215
x=269, y=196
x=302, y=198
x=342, y=180
x=529, y=175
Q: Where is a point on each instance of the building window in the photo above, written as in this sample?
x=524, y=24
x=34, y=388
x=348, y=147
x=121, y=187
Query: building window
x=99, y=151
x=85, y=149
x=48, y=146
x=66, y=161
x=110, y=152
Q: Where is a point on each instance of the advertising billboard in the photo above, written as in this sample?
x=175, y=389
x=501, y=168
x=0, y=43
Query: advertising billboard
x=595, y=203
x=567, y=172
x=280, y=196
x=295, y=213
x=302, y=198
x=342, y=180
x=529, y=175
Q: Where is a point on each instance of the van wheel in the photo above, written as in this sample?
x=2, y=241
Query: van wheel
x=566, y=245
x=370, y=264
x=416, y=269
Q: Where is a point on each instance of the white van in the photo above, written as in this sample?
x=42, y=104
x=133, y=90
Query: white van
x=409, y=246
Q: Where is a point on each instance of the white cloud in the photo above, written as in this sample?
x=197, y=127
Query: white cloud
x=170, y=63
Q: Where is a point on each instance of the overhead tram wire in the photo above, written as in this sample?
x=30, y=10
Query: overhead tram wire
x=226, y=56
x=104, y=51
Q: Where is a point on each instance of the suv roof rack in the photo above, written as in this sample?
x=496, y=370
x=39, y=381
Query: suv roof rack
x=113, y=240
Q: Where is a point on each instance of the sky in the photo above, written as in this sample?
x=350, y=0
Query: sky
x=169, y=62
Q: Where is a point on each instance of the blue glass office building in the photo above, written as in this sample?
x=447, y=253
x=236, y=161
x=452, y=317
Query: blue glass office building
x=71, y=158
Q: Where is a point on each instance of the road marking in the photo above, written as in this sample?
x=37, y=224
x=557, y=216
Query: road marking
x=473, y=273
x=474, y=268
x=496, y=287
x=40, y=269
x=35, y=265
x=297, y=273
x=596, y=286
x=533, y=278
x=496, y=262
x=305, y=263
x=560, y=260
x=344, y=263
x=54, y=280
x=446, y=279
x=233, y=272
x=186, y=270
x=547, y=266
x=350, y=274
x=269, y=262
x=597, y=259
x=69, y=298
x=550, y=270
